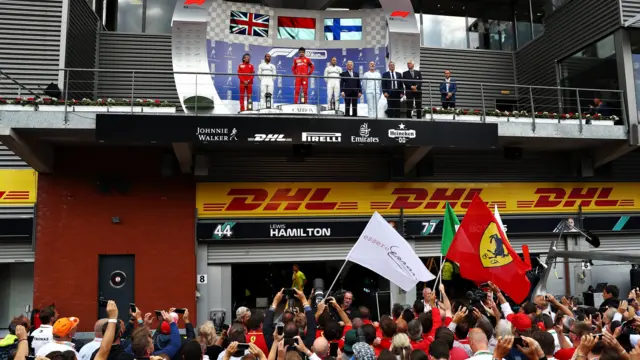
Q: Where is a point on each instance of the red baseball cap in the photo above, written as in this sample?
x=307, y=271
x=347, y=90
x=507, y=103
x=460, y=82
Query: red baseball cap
x=520, y=322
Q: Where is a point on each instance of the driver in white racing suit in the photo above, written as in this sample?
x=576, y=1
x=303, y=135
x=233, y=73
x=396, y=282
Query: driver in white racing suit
x=332, y=77
x=266, y=74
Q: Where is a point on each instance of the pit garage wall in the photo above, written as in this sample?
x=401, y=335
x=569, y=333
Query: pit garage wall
x=74, y=227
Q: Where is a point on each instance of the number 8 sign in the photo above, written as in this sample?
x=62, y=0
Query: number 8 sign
x=201, y=279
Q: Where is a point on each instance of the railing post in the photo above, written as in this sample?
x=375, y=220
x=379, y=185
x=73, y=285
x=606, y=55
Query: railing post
x=431, y=101
x=579, y=109
x=533, y=110
x=318, y=105
x=196, y=96
x=484, y=110
x=623, y=113
x=133, y=80
x=66, y=93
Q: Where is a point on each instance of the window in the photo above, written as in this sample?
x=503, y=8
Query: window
x=444, y=31
x=129, y=16
x=296, y=28
x=141, y=16
x=158, y=16
x=342, y=29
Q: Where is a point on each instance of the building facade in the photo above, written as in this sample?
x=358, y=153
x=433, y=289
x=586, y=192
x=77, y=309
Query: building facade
x=163, y=217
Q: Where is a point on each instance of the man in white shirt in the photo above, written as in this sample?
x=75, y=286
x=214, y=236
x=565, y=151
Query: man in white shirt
x=43, y=335
x=63, y=331
x=266, y=74
x=479, y=345
x=88, y=349
x=332, y=78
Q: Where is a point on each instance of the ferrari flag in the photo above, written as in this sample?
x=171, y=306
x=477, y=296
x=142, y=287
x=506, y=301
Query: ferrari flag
x=483, y=252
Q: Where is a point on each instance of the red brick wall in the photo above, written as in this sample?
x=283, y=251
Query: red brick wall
x=74, y=227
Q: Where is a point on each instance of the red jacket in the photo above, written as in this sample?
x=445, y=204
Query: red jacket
x=256, y=337
x=246, y=69
x=302, y=66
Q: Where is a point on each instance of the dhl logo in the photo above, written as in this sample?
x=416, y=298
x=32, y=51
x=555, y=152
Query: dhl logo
x=14, y=195
x=341, y=199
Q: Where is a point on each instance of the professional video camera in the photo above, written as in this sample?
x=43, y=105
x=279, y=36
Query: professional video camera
x=476, y=297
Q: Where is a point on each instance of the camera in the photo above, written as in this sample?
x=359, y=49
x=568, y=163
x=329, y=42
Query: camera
x=476, y=297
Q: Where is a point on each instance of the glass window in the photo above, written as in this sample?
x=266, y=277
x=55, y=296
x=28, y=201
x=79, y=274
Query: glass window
x=444, y=31
x=158, y=16
x=129, y=16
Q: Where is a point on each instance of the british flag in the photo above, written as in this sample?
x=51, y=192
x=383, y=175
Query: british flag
x=246, y=23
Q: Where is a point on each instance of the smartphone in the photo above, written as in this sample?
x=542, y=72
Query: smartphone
x=518, y=341
x=243, y=346
x=159, y=314
x=132, y=307
x=225, y=327
x=288, y=341
x=102, y=302
x=179, y=311
x=333, y=349
x=288, y=292
x=280, y=329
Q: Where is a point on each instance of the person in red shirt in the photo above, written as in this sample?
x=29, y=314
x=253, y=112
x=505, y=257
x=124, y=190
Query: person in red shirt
x=245, y=74
x=446, y=335
x=255, y=335
x=302, y=67
x=415, y=335
x=388, y=328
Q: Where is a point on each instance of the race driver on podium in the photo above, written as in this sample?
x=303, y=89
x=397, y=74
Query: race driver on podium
x=245, y=74
x=302, y=68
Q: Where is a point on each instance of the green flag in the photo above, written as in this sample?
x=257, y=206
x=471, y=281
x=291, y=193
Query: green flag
x=451, y=225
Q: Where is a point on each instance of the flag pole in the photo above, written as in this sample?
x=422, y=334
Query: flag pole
x=336, y=279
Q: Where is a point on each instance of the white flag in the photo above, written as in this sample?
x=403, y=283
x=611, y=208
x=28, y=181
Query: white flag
x=381, y=249
x=496, y=214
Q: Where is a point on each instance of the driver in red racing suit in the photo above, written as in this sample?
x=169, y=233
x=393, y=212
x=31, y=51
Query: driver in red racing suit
x=245, y=74
x=303, y=67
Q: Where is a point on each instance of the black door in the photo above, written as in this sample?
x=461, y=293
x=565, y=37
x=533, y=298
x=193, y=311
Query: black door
x=116, y=282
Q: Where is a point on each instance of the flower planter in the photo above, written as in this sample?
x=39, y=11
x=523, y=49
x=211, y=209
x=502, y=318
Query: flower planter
x=12, y=107
x=475, y=118
x=159, y=110
x=546, y=121
x=520, y=119
x=496, y=118
x=440, y=117
x=125, y=109
x=571, y=121
x=54, y=108
x=90, y=108
x=602, y=122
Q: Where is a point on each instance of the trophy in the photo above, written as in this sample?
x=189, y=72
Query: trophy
x=249, y=103
x=332, y=103
x=267, y=97
x=302, y=97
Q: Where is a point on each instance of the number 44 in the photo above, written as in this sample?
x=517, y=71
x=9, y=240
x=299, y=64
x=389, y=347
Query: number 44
x=223, y=230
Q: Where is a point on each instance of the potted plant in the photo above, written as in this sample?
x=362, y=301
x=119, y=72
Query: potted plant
x=496, y=115
x=18, y=104
x=88, y=105
x=520, y=116
x=438, y=113
x=123, y=106
x=605, y=120
x=51, y=104
x=158, y=107
x=469, y=114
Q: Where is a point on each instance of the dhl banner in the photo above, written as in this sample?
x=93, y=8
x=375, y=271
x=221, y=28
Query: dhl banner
x=234, y=200
x=18, y=187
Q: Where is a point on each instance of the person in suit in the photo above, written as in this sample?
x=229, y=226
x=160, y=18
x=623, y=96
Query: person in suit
x=392, y=89
x=448, y=90
x=351, y=90
x=599, y=107
x=413, y=89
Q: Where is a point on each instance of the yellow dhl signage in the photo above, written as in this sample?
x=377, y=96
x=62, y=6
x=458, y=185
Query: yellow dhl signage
x=233, y=200
x=18, y=187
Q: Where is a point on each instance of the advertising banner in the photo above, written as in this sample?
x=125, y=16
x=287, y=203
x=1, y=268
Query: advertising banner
x=18, y=187
x=255, y=200
x=240, y=130
x=224, y=57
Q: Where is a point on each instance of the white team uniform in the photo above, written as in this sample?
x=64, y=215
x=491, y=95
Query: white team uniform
x=266, y=81
x=332, y=77
x=42, y=336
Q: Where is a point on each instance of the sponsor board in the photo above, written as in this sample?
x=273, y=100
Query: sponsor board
x=402, y=133
x=269, y=138
x=208, y=134
x=352, y=199
x=364, y=135
x=321, y=137
x=18, y=187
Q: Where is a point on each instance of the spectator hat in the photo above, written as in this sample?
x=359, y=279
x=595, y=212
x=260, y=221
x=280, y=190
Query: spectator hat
x=362, y=351
x=165, y=329
x=64, y=326
x=350, y=339
x=521, y=322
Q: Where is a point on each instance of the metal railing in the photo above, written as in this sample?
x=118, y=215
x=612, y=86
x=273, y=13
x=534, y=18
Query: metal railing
x=484, y=102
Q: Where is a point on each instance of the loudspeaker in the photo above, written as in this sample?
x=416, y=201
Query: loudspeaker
x=201, y=166
x=513, y=153
x=586, y=166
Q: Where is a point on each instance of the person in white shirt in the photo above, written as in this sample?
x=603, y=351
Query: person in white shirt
x=266, y=74
x=88, y=349
x=43, y=335
x=63, y=331
x=332, y=78
x=371, y=84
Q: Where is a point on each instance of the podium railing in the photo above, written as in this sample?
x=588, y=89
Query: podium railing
x=151, y=90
